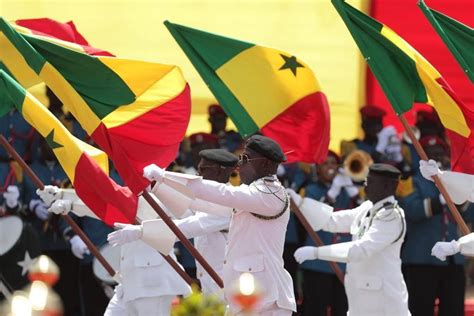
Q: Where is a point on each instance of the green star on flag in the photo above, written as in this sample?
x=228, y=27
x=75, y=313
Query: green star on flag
x=50, y=140
x=290, y=63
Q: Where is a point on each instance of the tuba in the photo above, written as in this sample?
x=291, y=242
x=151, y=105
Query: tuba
x=356, y=165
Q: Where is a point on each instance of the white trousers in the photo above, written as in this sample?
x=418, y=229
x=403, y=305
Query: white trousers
x=146, y=306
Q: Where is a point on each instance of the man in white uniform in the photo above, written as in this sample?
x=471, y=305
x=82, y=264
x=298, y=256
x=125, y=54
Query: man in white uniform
x=460, y=187
x=209, y=230
x=258, y=225
x=374, y=282
x=147, y=283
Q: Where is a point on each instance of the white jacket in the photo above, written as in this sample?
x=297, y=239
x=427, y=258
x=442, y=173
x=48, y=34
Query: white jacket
x=210, y=239
x=143, y=271
x=374, y=282
x=255, y=245
x=460, y=186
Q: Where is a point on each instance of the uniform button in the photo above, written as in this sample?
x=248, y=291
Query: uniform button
x=122, y=258
x=225, y=261
x=367, y=285
x=147, y=263
x=200, y=275
x=250, y=269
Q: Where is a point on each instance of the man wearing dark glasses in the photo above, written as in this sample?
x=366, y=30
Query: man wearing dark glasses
x=258, y=226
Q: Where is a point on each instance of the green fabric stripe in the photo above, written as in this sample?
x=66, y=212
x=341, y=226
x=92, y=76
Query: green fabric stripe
x=34, y=60
x=214, y=49
x=237, y=113
x=102, y=89
x=458, y=37
x=10, y=91
x=395, y=71
x=5, y=103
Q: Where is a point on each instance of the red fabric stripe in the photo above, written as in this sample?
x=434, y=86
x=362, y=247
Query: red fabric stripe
x=135, y=145
x=462, y=148
x=417, y=31
x=63, y=31
x=303, y=129
x=108, y=200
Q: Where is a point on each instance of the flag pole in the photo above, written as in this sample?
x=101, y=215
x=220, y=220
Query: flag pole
x=186, y=243
x=314, y=236
x=454, y=211
x=93, y=249
x=173, y=264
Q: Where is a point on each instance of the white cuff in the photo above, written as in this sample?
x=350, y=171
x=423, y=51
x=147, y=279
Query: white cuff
x=316, y=213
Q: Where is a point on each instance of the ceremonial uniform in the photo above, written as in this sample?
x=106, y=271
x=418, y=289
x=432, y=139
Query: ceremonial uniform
x=256, y=237
x=374, y=282
x=321, y=287
x=19, y=133
x=428, y=278
x=147, y=284
x=210, y=238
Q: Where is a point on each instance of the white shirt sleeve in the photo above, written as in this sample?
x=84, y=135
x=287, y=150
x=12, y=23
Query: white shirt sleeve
x=202, y=224
x=460, y=186
x=243, y=197
x=381, y=234
x=341, y=221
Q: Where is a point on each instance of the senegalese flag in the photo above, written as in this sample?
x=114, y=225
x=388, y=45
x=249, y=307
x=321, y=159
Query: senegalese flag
x=47, y=28
x=458, y=37
x=136, y=111
x=85, y=166
x=44, y=27
x=262, y=89
x=407, y=77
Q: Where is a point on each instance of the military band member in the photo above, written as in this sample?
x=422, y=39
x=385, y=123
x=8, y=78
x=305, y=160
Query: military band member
x=374, y=282
x=258, y=225
x=208, y=230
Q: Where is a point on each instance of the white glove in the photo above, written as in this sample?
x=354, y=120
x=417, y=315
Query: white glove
x=443, y=249
x=49, y=194
x=78, y=247
x=61, y=207
x=429, y=169
x=306, y=253
x=153, y=173
x=339, y=181
x=126, y=233
x=294, y=196
x=39, y=208
x=11, y=196
x=393, y=151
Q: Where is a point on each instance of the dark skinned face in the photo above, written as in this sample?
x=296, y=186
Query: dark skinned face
x=254, y=166
x=218, y=123
x=327, y=170
x=371, y=128
x=378, y=187
x=437, y=153
x=210, y=170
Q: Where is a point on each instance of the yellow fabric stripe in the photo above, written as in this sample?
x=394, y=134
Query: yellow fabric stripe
x=69, y=45
x=72, y=100
x=449, y=112
x=137, y=75
x=72, y=148
x=164, y=89
x=254, y=78
x=16, y=64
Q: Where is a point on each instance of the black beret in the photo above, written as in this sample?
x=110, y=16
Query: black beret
x=220, y=156
x=386, y=170
x=266, y=147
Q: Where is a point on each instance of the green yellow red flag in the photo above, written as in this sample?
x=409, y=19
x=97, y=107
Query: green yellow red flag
x=407, y=77
x=85, y=166
x=262, y=90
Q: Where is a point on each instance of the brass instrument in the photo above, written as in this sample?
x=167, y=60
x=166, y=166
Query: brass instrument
x=356, y=165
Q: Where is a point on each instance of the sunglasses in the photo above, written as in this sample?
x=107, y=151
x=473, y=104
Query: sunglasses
x=244, y=158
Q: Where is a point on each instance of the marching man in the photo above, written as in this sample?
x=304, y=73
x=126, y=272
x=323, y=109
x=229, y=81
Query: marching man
x=147, y=283
x=460, y=187
x=374, y=283
x=209, y=230
x=258, y=225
